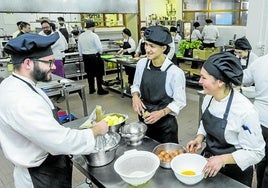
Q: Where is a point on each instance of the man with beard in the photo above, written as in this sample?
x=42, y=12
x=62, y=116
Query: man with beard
x=31, y=137
x=58, y=47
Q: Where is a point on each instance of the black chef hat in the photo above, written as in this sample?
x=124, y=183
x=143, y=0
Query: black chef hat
x=143, y=28
x=209, y=21
x=242, y=44
x=173, y=29
x=60, y=19
x=158, y=34
x=90, y=23
x=30, y=45
x=224, y=66
x=127, y=32
x=196, y=24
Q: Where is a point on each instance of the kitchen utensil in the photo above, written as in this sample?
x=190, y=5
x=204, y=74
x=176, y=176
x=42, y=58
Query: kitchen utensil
x=136, y=167
x=133, y=133
x=167, y=151
x=105, y=150
x=189, y=162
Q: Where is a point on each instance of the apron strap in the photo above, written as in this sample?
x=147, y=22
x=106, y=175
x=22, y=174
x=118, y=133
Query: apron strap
x=168, y=67
x=228, y=104
x=54, y=110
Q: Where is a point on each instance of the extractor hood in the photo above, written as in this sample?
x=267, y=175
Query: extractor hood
x=69, y=6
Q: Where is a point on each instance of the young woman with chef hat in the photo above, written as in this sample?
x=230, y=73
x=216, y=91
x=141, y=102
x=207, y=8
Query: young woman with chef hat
x=230, y=124
x=243, y=51
x=159, y=87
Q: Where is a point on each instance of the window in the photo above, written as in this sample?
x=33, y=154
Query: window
x=222, y=12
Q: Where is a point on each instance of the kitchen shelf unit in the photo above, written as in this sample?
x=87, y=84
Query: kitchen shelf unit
x=74, y=66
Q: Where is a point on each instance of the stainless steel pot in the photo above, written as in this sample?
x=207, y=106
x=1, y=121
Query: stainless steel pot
x=104, y=156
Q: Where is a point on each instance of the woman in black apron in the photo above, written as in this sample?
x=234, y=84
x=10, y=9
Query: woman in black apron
x=128, y=48
x=152, y=96
x=218, y=74
x=243, y=51
x=140, y=52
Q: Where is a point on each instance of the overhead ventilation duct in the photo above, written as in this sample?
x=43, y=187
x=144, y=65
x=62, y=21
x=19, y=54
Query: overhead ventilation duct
x=70, y=6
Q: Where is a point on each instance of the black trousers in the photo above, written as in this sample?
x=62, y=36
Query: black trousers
x=262, y=167
x=209, y=45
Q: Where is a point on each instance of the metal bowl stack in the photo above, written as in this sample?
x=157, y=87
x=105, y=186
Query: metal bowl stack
x=133, y=133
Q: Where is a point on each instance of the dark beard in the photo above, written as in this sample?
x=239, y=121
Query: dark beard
x=40, y=75
x=47, y=32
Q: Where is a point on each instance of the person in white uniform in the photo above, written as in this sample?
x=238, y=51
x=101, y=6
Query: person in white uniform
x=256, y=73
x=58, y=48
x=243, y=51
x=90, y=49
x=196, y=35
x=158, y=87
x=31, y=137
x=210, y=34
x=230, y=124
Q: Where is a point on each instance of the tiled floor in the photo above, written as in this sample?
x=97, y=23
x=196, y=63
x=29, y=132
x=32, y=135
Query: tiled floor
x=113, y=102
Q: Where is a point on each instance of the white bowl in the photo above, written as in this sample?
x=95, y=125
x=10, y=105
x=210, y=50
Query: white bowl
x=136, y=167
x=188, y=161
x=249, y=92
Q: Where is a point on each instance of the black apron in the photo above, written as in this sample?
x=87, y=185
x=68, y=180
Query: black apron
x=216, y=143
x=126, y=45
x=130, y=71
x=65, y=33
x=142, y=48
x=154, y=97
x=55, y=171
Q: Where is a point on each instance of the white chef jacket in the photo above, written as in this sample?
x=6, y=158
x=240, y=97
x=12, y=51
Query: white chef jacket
x=257, y=73
x=29, y=131
x=252, y=57
x=249, y=144
x=210, y=34
x=59, y=46
x=171, y=50
x=175, y=84
x=138, y=50
x=89, y=43
x=196, y=35
x=132, y=44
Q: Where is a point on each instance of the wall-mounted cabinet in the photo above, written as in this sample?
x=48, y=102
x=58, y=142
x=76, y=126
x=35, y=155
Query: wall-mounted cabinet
x=227, y=12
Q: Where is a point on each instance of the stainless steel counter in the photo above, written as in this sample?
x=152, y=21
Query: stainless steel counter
x=106, y=176
x=123, y=61
x=54, y=88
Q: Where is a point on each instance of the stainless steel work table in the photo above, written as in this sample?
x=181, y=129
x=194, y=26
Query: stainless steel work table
x=124, y=61
x=65, y=91
x=105, y=176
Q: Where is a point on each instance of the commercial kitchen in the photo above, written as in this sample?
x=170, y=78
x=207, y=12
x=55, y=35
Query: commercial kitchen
x=234, y=19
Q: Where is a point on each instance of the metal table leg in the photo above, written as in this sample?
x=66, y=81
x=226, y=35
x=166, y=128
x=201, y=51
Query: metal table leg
x=84, y=101
x=121, y=80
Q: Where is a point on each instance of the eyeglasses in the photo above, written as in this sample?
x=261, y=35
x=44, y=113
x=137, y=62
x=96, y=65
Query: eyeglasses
x=47, y=27
x=51, y=61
